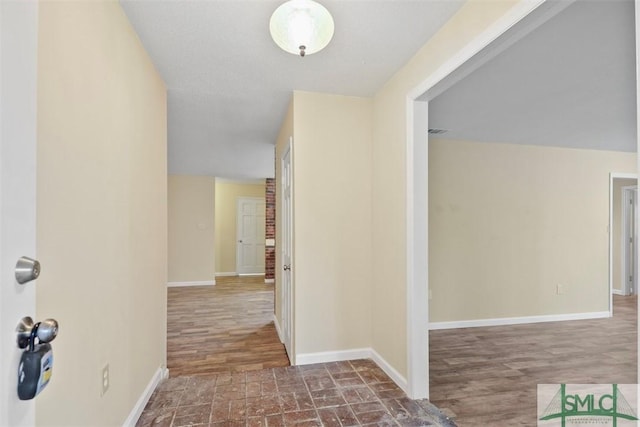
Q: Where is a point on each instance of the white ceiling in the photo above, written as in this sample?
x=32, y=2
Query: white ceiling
x=229, y=85
x=570, y=82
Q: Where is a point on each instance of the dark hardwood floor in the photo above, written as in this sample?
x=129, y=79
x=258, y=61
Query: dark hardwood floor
x=488, y=376
x=223, y=328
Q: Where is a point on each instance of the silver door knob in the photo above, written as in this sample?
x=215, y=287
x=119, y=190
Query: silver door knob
x=286, y=268
x=27, y=330
x=27, y=269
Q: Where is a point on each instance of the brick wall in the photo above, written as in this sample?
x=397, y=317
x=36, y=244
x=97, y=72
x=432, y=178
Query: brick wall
x=270, y=228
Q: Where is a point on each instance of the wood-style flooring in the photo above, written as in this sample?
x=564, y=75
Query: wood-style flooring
x=223, y=328
x=488, y=376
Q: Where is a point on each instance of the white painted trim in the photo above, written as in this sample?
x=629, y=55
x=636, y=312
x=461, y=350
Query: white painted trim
x=617, y=292
x=250, y=274
x=227, y=274
x=355, y=354
x=201, y=283
x=278, y=330
x=499, y=27
x=333, y=356
x=161, y=374
x=417, y=235
x=269, y=281
x=505, y=321
x=390, y=371
x=544, y=12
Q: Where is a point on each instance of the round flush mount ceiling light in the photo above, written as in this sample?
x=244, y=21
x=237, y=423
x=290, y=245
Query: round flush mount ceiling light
x=301, y=27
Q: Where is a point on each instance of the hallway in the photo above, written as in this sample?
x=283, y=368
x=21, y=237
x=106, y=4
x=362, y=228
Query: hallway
x=337, y=394
x=223, y=328
x=228, y=368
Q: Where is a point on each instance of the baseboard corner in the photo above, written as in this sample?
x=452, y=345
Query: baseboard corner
x=161, y=373
x=395, y=376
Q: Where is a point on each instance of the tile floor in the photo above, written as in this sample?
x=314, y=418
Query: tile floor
x=352, y=393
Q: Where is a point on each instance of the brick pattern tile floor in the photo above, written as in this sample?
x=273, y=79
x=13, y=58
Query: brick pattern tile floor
x=352, y=393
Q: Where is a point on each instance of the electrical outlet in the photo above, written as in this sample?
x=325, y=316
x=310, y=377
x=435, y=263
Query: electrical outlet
x=560, y=289
x=105, y=379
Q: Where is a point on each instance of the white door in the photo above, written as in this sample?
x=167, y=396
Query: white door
x=250, y=224
x=630, y=243
x=287, y=246
x=18, y=55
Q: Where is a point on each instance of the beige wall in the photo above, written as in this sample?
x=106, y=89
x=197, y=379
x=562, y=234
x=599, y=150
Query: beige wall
x=191, y=229
x=617, y=230
x=508, y=223
x=389, y=173
x=227, y=193
x=332, y=229
x=101, y=209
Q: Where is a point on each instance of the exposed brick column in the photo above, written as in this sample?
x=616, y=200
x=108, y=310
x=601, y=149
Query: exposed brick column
x=270, y=229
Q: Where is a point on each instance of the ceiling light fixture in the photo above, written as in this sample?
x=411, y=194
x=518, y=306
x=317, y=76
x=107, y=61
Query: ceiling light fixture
x=301, y=27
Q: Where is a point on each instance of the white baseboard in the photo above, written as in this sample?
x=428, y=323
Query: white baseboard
x=390, y=371
x=161, y=374
x=269, y=281
x=518, y=320
x=200, y=283
x=333, y=356
x=617, y=291
x=358, y=353
x=226, y=274
x=278, y=330
x=250, y=274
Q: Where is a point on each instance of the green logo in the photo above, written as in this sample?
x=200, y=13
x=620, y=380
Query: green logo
x=586, y=406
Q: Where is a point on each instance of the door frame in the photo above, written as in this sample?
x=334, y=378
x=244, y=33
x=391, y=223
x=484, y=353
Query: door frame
x=613, y=176
x=238, y=201
x=626, y=190
x=416, y=157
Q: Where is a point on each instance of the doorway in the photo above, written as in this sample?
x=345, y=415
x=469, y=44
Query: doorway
x=417, y=188
x=622, y=236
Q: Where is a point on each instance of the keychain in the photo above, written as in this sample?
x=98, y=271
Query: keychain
x=36, y=363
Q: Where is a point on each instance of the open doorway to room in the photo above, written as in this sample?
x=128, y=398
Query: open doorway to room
x=222, y=230
x=623, y=236
x=519, y=159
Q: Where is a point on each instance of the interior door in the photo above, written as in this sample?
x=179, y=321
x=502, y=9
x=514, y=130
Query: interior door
x=630, y=240
x=250, y=230
x=18, y=77
x=287, y=255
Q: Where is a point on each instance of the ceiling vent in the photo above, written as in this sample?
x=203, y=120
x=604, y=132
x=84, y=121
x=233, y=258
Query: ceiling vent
x=436, y=131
